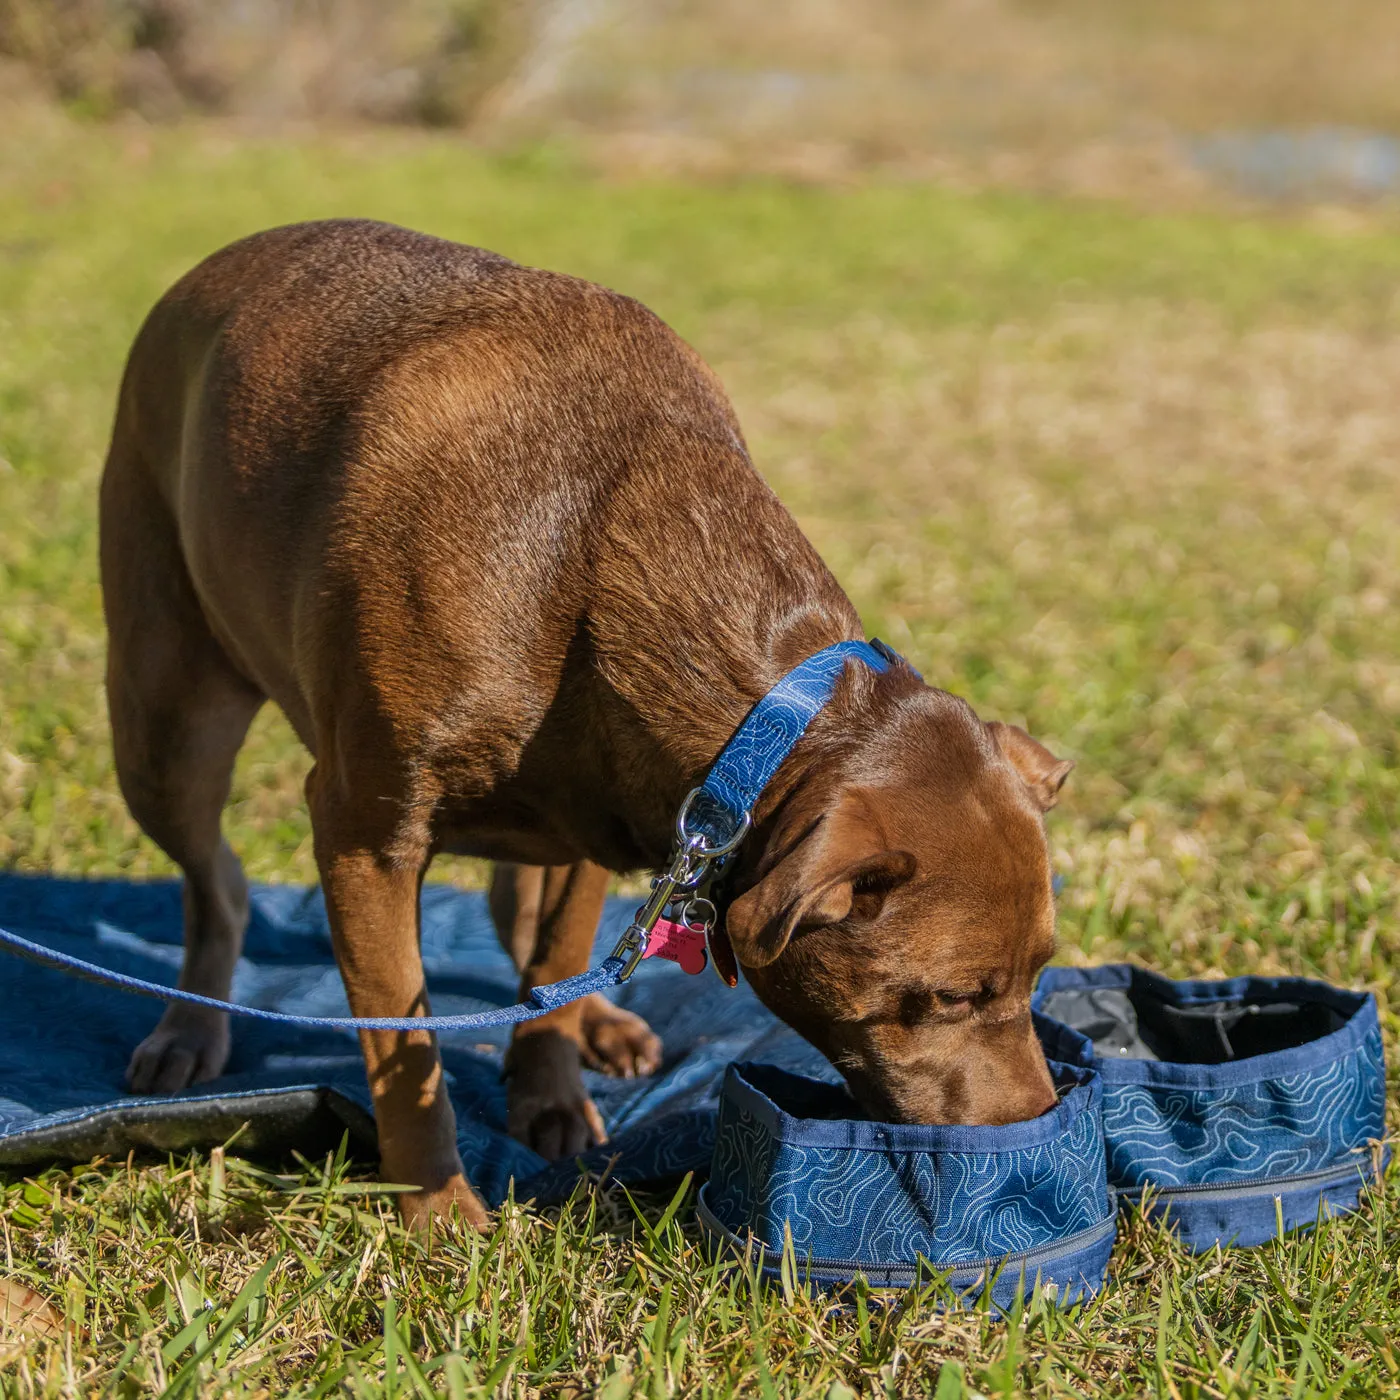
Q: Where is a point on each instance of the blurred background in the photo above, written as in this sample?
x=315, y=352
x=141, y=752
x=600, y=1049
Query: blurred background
x=1068, y=329
x=1269, y=98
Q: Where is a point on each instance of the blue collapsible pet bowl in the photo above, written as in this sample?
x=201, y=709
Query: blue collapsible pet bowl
x=1236, y=1105
x=1017, y=1205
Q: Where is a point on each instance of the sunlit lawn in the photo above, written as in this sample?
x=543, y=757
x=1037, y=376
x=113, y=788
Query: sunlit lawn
x=1131, y=480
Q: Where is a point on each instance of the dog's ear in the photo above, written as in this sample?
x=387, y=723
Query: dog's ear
x=1040, y=770
x=839, y=870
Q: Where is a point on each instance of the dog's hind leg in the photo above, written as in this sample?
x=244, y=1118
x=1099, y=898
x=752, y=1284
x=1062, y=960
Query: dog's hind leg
x=546, y=918
x=179, y=712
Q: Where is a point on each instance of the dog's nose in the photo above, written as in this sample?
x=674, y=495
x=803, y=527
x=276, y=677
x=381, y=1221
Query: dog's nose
x=1037, y=1093
x=992, y=1094
x=1044, y=1101
x=1014, y=1089
x=1016, y=1107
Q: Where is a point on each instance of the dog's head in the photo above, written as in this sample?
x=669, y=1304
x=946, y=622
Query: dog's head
x=896, y=906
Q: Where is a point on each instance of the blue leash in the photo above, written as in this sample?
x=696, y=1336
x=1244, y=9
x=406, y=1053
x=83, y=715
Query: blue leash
x=712, y=822
x=542, y=999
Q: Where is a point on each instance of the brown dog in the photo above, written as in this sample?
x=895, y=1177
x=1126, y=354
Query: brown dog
x=491, y=539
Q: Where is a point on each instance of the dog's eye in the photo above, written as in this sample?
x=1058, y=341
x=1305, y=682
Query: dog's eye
x=951, y=1000
x=913, y=1006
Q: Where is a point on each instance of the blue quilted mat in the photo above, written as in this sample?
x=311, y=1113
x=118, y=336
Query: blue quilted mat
x=64, y=1044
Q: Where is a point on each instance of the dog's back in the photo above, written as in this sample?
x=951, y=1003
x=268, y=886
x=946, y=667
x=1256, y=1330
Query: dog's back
x=322, y=393
x=412, y=475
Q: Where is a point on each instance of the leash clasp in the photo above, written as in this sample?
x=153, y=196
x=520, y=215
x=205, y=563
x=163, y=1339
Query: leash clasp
x=691, y=858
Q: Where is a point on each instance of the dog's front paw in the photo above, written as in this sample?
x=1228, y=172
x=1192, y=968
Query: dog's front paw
x=189, y=1046
x=549, y=1109
x=616, y=1041
x=452, y=1203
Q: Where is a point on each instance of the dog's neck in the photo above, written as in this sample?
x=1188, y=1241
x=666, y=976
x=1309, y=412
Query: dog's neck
x=687, y=703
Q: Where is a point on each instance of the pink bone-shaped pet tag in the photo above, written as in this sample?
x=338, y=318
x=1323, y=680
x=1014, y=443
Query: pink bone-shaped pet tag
x=678, y=943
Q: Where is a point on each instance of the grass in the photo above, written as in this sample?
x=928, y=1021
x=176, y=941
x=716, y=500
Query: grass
x=1127, y=478
x=307, y=1275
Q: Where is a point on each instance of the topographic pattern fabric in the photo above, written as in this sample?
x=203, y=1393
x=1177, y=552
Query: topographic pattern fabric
x=790, y=1158
x=1163, y=1135
x=64, y=1043
x=1262, y=1118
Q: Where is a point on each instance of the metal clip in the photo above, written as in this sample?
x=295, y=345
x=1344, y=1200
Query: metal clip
x=690, y=860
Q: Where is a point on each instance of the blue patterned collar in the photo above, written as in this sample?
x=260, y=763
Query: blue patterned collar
x=716, y=816
x=769, y=734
